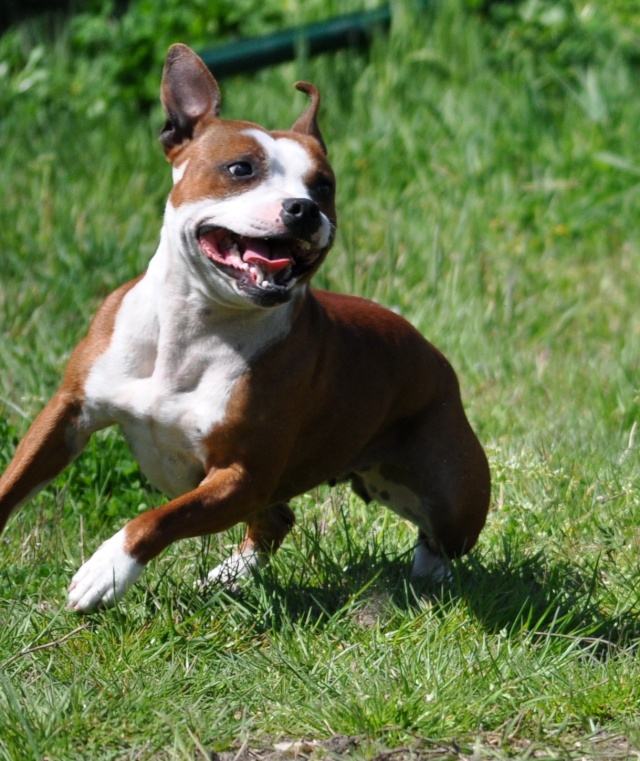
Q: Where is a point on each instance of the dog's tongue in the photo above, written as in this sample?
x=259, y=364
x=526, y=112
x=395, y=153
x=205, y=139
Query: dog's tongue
x=258, y=252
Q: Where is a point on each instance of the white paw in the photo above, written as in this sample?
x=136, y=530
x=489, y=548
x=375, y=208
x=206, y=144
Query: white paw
x=105, y=577
x=428, y=565
x=235, y=567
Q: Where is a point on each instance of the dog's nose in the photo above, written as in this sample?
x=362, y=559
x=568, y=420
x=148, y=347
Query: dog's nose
x=301, y=216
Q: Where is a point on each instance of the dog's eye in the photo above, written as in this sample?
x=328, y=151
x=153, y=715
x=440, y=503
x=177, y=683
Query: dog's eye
x=323, y=189
x=240, y=169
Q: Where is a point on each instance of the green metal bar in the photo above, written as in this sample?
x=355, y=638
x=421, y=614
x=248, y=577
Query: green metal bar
x=353, y=30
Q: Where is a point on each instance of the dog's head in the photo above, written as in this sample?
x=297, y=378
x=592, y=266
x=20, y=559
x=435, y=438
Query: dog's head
x=254, y=210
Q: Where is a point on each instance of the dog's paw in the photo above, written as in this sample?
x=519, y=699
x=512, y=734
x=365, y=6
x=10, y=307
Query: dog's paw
x=429, y=566
x=236, y=567
x=104, y=578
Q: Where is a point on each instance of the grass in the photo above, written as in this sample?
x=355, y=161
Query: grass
x=497, y=208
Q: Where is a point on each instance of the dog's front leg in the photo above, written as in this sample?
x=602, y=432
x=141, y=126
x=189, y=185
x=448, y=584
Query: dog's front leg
x=54, y=439
x=226, y=497
x=266, y=531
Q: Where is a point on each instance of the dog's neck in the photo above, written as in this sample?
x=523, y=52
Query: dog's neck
x=187, y=313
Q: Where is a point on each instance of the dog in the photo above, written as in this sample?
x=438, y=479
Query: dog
x=237, y=386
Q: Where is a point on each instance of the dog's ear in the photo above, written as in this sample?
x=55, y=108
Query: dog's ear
x=307, y=123
x=188, y=94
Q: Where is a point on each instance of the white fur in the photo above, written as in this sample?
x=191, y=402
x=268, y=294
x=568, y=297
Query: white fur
x=398, y=497
x=428, y=565
x=170, y=369
x=289, y=163
x=177, y=172
x=105, y=577
x=237, y=566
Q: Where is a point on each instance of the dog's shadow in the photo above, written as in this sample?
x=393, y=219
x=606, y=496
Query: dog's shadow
x=545, y=596
x=515, y=594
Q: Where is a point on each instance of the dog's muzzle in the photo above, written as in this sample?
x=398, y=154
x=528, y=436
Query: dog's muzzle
x=301, y=216
x=263, y=269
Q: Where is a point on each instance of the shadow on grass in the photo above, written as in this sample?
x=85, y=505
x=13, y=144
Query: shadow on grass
x=514, y=594
x=545, y=596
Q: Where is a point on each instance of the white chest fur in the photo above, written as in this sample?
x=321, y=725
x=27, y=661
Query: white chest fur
x=168, y=375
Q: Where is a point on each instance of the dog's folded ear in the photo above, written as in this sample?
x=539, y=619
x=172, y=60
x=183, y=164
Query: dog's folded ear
x=307, y=123
x=189, y=93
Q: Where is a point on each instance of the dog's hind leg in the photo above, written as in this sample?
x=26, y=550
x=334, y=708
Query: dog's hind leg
x=398, y=489
x=266, y=531
x=427, y=564
x=436, y=476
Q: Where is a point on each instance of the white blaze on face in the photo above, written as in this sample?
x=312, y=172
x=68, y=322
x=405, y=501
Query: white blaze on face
x=257, y=212
x=208, y=200
x=289, y=163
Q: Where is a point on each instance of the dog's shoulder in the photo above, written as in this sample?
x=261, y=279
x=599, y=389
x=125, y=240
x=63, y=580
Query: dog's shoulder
x=104, y=319
x=361, y=313
x=97, y=339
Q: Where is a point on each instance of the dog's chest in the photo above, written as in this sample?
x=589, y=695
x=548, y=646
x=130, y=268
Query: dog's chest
x=165, y=392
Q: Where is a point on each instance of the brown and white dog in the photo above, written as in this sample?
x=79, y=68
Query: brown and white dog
x=236, y=386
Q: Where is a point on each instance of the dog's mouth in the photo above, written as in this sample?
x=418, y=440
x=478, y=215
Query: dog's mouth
x=269, y=265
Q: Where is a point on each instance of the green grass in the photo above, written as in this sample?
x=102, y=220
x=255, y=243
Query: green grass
x=498, y=209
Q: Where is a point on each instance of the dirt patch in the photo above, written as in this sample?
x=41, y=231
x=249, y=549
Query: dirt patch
x=601, y=747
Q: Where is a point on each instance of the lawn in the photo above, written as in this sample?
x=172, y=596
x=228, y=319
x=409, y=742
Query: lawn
x=491, y=194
